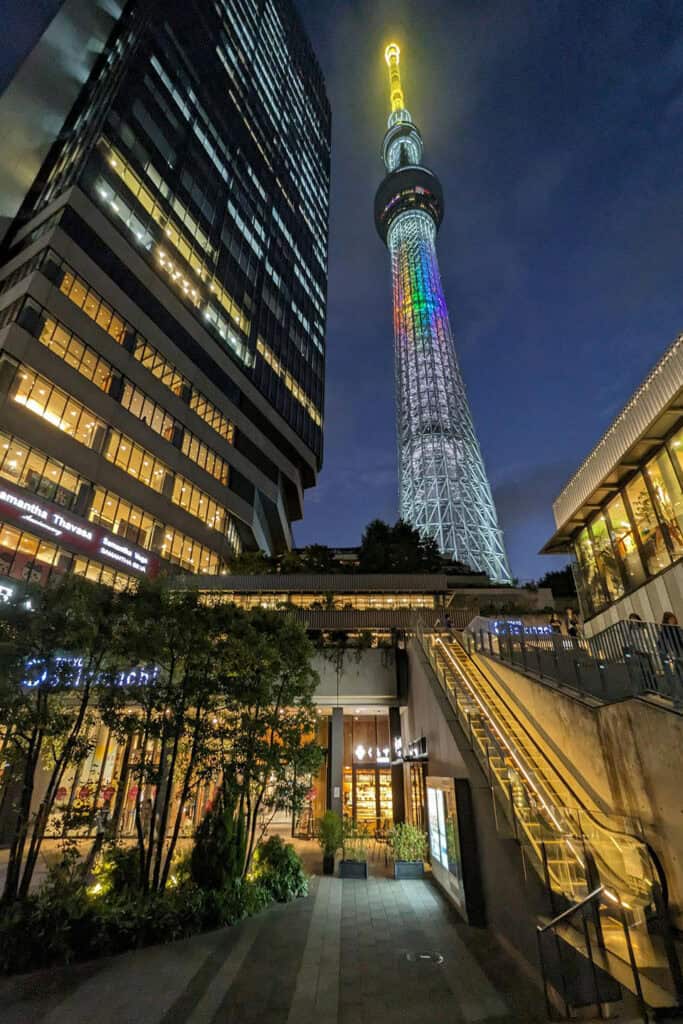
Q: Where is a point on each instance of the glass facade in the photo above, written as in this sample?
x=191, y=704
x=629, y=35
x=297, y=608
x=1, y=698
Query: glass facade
x=638, y=533
x=228, y=200
x=192, y=233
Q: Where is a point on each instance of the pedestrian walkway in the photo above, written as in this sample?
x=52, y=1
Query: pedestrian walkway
x=352, y=952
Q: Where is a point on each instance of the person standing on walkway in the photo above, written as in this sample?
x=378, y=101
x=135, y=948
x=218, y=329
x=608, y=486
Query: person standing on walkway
x=555, y=623
x=573, y=627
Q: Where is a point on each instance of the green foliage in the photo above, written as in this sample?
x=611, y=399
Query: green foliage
x=408, y=842
x=354, y=840
x=217, y=857
x=330, y=832
x=278, y=868
x=560, y=581
x=397, y=548
x=117, y=872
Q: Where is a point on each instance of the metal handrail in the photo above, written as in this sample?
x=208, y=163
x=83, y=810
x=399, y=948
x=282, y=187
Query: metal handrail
x=571, y=910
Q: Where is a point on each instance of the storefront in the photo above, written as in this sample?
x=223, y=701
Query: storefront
x=367, y=786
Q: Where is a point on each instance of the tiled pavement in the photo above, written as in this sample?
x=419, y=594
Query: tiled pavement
x=337, y=957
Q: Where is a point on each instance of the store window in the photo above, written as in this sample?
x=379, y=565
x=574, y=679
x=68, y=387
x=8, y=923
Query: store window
x=650, y=532
x=668, y=499
x=625, y=544
x=605, y=558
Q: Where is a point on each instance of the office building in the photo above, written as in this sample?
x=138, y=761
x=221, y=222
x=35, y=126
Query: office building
x=443, y=487
x=163, y=302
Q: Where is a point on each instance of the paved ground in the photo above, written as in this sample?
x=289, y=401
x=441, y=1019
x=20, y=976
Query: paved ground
x=336, y=957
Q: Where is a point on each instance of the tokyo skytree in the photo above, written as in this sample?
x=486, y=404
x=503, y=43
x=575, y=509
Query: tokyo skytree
x=443, y=489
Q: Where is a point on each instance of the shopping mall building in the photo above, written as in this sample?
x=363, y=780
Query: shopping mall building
x=621, y=514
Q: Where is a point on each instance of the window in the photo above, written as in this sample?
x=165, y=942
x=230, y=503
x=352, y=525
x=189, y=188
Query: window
x=625, y=545
x=668, y=499
x=29, y=468
x=135, y=460
x=73, y=351
x=205, y=457
x=146, y=410
x=651, y=534
x=79, y=292
x=39, y=396
x=605, y=558
x=593, y=591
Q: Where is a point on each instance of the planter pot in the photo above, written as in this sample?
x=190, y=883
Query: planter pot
x=353, y=869
x=328, y=863
x=408, y=869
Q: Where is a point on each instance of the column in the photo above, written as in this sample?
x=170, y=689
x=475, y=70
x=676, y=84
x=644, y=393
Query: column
x=336, y=759
x=397, y=794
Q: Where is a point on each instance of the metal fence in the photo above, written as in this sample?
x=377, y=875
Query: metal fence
x=627, y=659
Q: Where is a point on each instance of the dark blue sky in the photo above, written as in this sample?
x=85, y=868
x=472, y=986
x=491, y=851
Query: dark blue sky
x=557, y=131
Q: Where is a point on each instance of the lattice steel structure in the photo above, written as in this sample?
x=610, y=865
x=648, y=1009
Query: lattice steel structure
x=443, y=488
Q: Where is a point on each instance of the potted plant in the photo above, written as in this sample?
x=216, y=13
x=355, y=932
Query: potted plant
x=330, y=839
x=408, y=848
x=353, y=863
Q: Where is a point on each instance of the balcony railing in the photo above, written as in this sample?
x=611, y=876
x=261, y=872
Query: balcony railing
x=628, y=659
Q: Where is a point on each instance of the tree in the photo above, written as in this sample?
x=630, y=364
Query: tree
x=251, y=563
x=560, y=581
x=173, y=717
x=265, y=740
x=57, y=647
x=398, y=548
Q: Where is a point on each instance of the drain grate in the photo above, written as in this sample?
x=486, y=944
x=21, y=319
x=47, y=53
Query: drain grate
x=434, y=958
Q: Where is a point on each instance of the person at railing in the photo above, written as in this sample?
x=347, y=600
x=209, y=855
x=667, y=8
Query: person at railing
x=555, y=623
x=573, y=625
x=637, y=649
x=670, y=644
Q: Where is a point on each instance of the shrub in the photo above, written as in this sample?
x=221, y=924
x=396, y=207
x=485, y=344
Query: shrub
x=330, y=832
x=279, y=870
x=408, y=842
x=354, y=840
x=118, y=871
x=219, y=847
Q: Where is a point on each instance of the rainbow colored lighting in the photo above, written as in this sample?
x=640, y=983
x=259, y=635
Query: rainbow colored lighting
x=443, y=488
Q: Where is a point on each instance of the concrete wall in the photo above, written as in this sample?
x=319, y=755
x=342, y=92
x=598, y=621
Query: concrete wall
x=623, y=758
x=356, y=677
x=663, y=594
x=513, y=900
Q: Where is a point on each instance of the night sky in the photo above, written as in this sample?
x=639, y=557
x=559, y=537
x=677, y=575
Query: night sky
x=557, y=131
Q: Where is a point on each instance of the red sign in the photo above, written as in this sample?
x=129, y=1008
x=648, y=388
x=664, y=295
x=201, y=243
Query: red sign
x=52, y=521
x=61, y=793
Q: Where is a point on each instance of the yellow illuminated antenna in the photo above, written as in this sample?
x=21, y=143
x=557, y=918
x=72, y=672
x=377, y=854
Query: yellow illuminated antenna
x=391, y=56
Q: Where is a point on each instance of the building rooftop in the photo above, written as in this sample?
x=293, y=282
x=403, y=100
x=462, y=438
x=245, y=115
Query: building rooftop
x=648, y=416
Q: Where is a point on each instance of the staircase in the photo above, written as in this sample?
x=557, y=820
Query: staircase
x=606, y=891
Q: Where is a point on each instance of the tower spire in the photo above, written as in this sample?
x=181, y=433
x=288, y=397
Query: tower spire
x=392, y=55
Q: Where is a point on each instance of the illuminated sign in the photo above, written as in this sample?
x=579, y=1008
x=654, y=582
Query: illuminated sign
x=78, y=533
x=416, y=750
x=67, y=670
x=374, y=754
x=515, y=627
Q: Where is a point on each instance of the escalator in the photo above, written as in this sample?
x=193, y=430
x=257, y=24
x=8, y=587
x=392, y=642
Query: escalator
x=605, y=886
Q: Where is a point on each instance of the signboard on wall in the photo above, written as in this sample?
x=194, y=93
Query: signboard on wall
x=53, y=522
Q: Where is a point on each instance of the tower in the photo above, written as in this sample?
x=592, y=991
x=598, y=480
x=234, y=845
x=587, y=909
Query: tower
x=443, y=487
